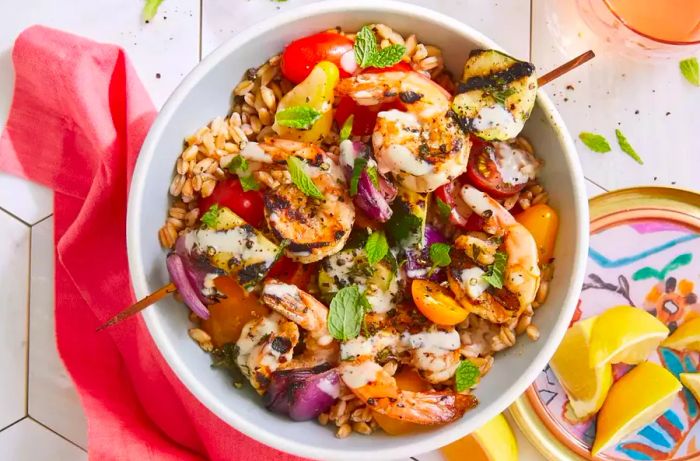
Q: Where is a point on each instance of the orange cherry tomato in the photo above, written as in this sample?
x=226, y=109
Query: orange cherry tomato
x=407, y=379
x=437, y=303
x=229, y=315
x=542, y=222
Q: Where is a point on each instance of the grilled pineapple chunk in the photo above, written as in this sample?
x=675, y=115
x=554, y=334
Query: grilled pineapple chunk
x=236, y=248
x=496, y=95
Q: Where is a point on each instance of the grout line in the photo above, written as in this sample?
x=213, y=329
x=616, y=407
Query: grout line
x=12, y=215
x=42, y=220
x=201, y=22
x=12, y=424
x=57, y=433
x=596, y=184
x=27, y=331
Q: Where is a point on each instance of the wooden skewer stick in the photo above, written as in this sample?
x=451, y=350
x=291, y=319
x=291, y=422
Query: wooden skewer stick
x=170, y=287
x=140, y=305
x=566, y=67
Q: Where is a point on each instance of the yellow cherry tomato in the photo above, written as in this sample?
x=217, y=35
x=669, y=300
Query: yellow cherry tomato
x=315, y=91
x=542, y=222
x=436, y=303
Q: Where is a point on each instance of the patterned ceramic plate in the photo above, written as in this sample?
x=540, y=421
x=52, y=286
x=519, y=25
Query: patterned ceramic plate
x=645, y=252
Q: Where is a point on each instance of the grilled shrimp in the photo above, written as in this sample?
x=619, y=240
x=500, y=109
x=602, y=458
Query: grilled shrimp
x=265, y=344
x=423, y=147
x=374, y=386
x=522, y=274
x=434, y=352
x=307, y=312
x=313, y=228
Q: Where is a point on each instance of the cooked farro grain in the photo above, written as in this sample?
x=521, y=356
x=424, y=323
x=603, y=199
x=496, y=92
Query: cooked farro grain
x=533, y=332
x=343, y=431
x=202, y=338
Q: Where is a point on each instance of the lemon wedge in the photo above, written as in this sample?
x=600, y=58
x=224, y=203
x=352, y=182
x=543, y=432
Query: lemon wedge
x=586, y=386
x=634, y=401
x=494, y=441
x=686, y=337
x=625, y=334
x=692, y=382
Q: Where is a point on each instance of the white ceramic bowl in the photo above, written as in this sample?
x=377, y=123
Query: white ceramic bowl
x=205, y=94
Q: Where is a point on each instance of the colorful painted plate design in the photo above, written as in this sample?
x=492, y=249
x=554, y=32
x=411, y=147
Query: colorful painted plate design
x=645, y=252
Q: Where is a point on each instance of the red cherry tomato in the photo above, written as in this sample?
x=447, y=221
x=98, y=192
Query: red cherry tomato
x=364, y=116
x=289, y=271
x=229, y=193
x=303, y=54
x=482, y=172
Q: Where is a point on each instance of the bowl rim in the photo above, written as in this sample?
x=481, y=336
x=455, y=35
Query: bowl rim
x=139, y=279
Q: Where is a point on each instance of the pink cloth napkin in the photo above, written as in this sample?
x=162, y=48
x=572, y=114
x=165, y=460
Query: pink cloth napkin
x=77, y=121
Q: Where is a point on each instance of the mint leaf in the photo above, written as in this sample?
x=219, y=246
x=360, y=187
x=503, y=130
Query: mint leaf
x=368, y=54
x=500, y=96
x=150, y=8
x=357, y=169
x=301, y=179
x=443, y=208
x=211, y=217
x=594, y=142
x=402, y=223
x=440, y=254
x=365, y=46
x=373, y=175
x=299, y=117
x=466, y=375
x=690, y=70
x=346, y=313
x=496, y=271
x=248, y=183
x=388, y=56
x=376, y=247
x=627, y=147
x=239, y=163
x=346, y=130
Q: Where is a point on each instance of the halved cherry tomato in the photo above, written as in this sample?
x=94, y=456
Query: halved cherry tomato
x=482, y=172
x=445, y=193
x=398, y=67
x=542, y=222
x=437, y=303
x=229, y=193
x=301, y=55
x=295, y=273
x=407, y=379
x=364, y=116
x=229, y=315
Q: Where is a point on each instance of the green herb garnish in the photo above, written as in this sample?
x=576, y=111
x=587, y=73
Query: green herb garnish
x=239, y=167
x=299, y=117
x=357, y=169
x=690, y=70
x=402, y=223
x=500, y=95
x=346, y=129
x=373, y=175
x=443, y=208
x=211, y=217
x=595, y=142
x=376, y=247
x=368, y=54
x=346, y=313
x=440, y=254
x=301, y=179
x=496, y=271
x=627, y=147
x=466, y=375
x=150, y=8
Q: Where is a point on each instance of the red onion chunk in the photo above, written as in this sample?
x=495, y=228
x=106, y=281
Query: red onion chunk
x=303, y=394
x=197, y=267
x=387, y=189
x=418, y=262
x=371, y=201
x=178, y=275
x=432, y=235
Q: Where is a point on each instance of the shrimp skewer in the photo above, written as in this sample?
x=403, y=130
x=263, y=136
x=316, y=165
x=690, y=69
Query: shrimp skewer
x=422, y=147
x=522, y=274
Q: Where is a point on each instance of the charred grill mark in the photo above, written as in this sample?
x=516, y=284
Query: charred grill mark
x=409, y=97
x=515, y=72
x=281, y=344
x=251, y=273
x=295, y=247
